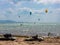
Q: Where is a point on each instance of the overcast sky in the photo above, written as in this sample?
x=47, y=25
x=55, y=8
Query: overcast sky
x=19, y=10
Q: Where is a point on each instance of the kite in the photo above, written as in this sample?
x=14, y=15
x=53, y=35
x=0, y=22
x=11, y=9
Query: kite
x=30, y=13
x=46, y=11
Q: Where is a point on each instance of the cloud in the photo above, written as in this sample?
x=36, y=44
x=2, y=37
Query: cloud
x=2, y=17
x=19, y=9
x=12, y=14
x=47, y=1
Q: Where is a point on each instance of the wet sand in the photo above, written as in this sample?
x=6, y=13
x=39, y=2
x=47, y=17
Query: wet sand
x=20, y=41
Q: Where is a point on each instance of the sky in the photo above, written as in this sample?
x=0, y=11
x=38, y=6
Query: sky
x=19, y=10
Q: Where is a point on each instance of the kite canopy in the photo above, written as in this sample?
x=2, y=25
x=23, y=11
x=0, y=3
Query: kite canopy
x=19, y=16
x=30, y=13
x=46, y=11
x=38, y=19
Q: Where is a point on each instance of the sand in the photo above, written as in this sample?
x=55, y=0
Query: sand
x=20, y=41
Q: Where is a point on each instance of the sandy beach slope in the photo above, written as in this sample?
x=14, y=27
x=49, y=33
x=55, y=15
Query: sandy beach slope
x=20, y=41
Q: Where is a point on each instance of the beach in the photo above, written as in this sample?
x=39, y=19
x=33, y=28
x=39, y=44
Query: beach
x=30, y=30
x=20, y=41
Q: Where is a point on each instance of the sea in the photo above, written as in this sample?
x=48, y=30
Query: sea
x=42, y=29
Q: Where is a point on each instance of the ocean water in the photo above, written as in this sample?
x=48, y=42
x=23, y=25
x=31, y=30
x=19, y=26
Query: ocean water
x=30, y=28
